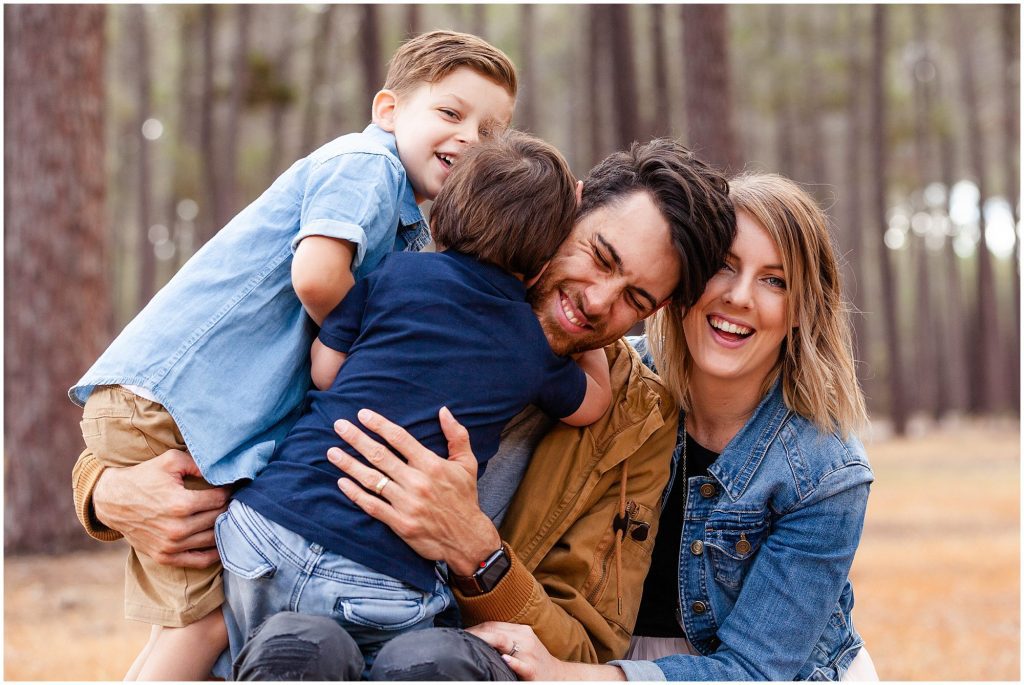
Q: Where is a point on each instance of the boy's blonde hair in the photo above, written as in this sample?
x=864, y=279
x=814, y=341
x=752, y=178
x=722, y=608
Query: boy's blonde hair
x=429, y=57
x=510, y=201
x=816, y=361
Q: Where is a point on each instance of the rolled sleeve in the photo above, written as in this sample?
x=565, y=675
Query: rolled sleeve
x=639, y=670
x=354, y=197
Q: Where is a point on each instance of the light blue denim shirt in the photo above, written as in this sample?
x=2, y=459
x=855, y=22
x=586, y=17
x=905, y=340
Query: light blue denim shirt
x=224, y=346
x=766, y=593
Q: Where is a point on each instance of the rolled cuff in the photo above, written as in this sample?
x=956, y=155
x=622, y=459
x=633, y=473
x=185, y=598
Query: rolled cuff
x=84, y=477
x=506, y=602
x=639, y=670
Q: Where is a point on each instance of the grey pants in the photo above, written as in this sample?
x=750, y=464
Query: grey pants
x=292, y=646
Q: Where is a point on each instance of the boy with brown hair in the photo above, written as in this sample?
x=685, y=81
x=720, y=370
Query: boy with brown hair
x=217, y=363
x=426, y=332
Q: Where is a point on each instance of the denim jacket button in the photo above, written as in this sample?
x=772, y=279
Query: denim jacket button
x=699, y=607
x=707, y=491
x=697, y=548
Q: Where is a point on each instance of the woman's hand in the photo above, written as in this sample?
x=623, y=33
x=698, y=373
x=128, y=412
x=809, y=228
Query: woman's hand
x=430, y=502
x=527, y=656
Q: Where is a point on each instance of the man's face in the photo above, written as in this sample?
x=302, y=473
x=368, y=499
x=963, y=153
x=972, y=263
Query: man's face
x=615, y=268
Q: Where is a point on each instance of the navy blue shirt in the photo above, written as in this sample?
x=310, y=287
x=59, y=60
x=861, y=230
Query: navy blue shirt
x=424, y=330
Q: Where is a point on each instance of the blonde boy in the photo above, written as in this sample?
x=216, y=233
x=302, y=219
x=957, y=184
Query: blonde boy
x=218, y=362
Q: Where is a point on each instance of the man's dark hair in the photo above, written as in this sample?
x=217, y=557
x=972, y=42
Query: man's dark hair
x=509, y=201
x=692, y=196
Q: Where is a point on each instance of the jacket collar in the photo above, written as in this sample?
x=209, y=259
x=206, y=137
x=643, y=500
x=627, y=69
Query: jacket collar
x=739, y=461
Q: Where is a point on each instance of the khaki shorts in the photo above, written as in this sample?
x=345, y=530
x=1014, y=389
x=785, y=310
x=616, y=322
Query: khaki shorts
x=123, y=429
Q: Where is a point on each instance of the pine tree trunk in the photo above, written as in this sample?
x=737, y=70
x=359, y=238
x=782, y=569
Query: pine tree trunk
x=879, y=164
x=854, y=237
x=526, y=107
x=57, y=308
x=214, y=212
x=983, y=341
x=146, y=257
x=321, y=48
x=236, y=108
x=1009, y=16
x=624, y=91
x=660, y=124
x=369, y=50
x=707, y=79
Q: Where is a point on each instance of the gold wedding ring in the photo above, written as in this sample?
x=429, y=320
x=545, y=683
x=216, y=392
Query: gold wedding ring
x=384, y=480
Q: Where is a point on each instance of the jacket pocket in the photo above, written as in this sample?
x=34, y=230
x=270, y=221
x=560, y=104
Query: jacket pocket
x=239, y=548
x=733, y=541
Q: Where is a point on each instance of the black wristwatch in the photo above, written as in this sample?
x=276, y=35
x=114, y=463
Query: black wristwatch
x=483, y=580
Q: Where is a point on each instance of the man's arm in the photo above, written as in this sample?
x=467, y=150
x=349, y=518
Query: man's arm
x=546, y=590
x=149, y=504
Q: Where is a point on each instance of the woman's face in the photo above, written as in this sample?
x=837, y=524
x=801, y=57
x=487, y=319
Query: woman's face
x=736, y=329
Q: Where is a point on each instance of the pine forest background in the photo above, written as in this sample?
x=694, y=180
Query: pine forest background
x=132, y=133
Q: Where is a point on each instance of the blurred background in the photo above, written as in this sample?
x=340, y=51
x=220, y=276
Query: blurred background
x=132, y=133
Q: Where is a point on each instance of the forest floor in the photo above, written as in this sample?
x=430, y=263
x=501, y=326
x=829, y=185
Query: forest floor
x=937, y=576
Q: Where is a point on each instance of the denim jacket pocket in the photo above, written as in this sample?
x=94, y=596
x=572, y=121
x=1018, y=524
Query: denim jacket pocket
x=239, y=549
x=732, y=544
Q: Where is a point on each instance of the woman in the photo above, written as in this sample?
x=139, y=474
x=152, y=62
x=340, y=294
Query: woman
x=765, y=507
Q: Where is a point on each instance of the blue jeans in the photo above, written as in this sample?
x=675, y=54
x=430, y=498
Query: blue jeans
x=269, y=569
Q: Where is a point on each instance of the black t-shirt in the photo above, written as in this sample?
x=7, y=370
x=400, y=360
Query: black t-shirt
x=659, y=606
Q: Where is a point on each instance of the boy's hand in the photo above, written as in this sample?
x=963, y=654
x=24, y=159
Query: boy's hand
x=149, y=504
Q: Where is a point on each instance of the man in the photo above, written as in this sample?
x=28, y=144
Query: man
x=575, y=541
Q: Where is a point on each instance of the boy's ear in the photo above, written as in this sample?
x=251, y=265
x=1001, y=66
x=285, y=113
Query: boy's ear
x=383, y=109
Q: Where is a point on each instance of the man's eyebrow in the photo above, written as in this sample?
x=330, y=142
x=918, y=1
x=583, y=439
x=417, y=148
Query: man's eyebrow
x=652, y=303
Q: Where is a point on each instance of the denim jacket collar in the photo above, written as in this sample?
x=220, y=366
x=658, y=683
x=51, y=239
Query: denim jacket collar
x=409, y=212
x=740, y=459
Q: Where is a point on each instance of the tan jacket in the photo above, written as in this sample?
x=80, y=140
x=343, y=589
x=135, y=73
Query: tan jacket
x=559, y=526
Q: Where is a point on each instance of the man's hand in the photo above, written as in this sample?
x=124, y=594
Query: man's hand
x=430, y=502
x=149, y=504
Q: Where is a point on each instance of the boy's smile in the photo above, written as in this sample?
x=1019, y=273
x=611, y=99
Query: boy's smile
x=434, y=122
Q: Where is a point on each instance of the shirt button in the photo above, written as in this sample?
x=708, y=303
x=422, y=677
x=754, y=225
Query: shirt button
x=697, y=548
x=707, y=490
x=699, y=607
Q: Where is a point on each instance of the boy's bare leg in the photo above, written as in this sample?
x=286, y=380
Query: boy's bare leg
x=186, y=653
x=133, y=672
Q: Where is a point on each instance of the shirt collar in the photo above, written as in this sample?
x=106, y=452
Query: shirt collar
x=504, y=282
x=409, y=212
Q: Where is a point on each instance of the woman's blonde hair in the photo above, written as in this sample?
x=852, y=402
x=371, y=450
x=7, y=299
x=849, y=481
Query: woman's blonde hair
x=816, y=360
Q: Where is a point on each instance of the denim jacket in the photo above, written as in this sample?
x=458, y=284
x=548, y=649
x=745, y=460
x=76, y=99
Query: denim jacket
x=768, y=541
x=224, y=346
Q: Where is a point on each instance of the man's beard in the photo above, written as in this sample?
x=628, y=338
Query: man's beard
x=540, y=296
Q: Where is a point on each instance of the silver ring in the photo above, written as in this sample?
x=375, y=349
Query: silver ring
x=515, y=648
x=384, y=480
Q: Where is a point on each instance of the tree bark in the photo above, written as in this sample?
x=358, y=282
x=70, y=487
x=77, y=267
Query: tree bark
x=854, y=237
x=624, y=92
x=214, y=214
x=784, y=135
x=879, y=163
x=526, y=110
x=925, y=360
x=1009, y=17
x=708, y=90
x=144, y=218
x=277, y=161
x=321, y=48
x=236, y=108
x=369, y=50
x=660, y=125
x=597, y=69
x=985, y=354
x=57, y=308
